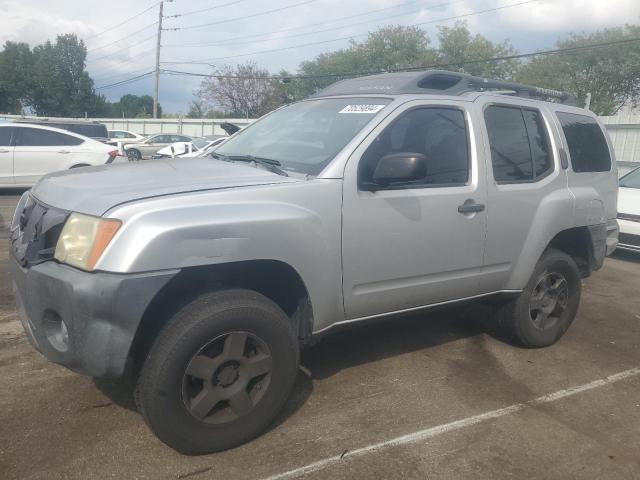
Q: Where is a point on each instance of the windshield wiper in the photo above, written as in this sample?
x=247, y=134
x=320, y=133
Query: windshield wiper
x=269, y=163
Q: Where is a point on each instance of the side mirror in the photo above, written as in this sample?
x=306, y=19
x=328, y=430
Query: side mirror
x=397, y=169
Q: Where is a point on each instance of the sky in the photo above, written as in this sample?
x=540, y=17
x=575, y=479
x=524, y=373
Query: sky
x=121, y=34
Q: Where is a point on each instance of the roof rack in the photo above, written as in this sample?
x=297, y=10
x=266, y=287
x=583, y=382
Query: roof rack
x=439, y=82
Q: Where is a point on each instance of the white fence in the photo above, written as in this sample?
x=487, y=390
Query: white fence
x=624, y=131
x=147, y=126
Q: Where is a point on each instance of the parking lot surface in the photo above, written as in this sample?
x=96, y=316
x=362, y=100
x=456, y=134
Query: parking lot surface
x=433, y=395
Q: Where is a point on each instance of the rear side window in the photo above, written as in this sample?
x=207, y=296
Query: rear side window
x=34, y=137
x=519, y=144
x=587, y=145
x=438, y=133
x=5, y=136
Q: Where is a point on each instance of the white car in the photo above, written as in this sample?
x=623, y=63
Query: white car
x=188, y=149
x=629, y=211
x=29, y=151
x=124, y=136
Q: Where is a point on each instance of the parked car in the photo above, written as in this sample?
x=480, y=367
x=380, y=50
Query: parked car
x=380, y=195
x=124, y=136
x=94, y=130
x=28, y=152
x=150, y=145
x=629, y=211
x=188, y=149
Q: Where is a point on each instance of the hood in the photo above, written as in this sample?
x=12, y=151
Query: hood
x=629, y=200
x=94, y=190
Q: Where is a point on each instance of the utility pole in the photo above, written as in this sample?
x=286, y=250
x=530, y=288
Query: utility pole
x=157, y=76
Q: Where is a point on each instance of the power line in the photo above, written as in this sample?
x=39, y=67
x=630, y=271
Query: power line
x=122, y=38
x=313, y=32
x=422, y=67
x=124, y=82
x=244, y=37
x=291, y=47
x=122, y=74
x=146, y=39
x=266, y=12
x=215, y=7
x=121, y=23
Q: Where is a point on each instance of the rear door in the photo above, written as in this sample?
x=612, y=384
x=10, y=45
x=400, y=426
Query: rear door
x=39, y=151
x=527, y=194
x=6, y=156
x=410, y=246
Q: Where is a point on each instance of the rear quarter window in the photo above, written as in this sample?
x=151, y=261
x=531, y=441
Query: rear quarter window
x=587, y=145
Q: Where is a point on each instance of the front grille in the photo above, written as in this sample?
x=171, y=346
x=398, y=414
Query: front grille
x=35, y=232
x=629, y=239
x=629, y=216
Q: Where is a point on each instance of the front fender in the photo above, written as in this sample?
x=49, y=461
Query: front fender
x=226, y=227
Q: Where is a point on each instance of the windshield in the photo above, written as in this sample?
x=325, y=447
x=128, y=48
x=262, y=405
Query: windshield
x=305, y=136
x=631, y=179
x=200, y=142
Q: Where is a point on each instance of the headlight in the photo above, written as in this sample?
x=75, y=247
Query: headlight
x=83, y=240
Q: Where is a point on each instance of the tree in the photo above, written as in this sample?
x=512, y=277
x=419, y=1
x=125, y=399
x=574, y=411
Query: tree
x=611, y=74
x=15, y=74
x=60, y=85
x=245, y=90
x=458, y=48
x=134, y=106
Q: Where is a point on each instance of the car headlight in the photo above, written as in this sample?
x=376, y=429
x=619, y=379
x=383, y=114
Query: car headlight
x=84, y=239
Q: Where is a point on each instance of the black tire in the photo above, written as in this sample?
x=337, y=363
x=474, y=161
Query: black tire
x=533, y=319
x=133, y=154
x=167, y=395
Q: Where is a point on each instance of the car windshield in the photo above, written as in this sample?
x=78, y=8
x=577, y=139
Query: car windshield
x=631, y=179
x=200, y=142
x=304, y=137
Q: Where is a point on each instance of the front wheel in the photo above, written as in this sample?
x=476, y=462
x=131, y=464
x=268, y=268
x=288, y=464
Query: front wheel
x=219, y=372
x=546, y=308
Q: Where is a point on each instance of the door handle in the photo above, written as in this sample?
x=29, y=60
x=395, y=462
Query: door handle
x=470, y=206
x=64, y=151
x=2, y=150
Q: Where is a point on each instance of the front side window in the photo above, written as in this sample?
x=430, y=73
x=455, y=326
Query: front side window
x=631, y=179
x=35, y=137
x=5, y=136
x=587, y=145
x=305, y=136
x=518, y=139
x=440, y=134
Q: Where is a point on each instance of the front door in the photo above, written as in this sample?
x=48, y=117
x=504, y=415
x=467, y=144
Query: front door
x=6, y=155
x=411, y=245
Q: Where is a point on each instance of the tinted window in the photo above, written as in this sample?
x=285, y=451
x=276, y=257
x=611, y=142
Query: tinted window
x=631, y=179
x=88, y=130
x=587, y=145
x=33, y=137
x=161, y=139
x=438, y=133
x=180, y=138
x=519, y=145
x=5, y=136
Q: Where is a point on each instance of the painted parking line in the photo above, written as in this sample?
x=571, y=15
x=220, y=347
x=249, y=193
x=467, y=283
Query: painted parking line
x=425, y=434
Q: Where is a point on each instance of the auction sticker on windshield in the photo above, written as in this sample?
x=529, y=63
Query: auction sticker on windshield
x=362, y=109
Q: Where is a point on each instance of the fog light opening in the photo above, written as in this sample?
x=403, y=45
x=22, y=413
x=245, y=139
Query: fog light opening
x=56, y=330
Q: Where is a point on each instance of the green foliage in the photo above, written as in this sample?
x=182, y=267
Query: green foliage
x=15, y=76
x=611, y=74
x=133, y=106
x=458, y=49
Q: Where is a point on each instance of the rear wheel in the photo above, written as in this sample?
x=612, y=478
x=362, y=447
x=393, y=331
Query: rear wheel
x=133, y=154
x=546, y=308
x=219, y=372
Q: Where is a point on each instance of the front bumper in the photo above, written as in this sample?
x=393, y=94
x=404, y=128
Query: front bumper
x=629, y=235
x=84, y=321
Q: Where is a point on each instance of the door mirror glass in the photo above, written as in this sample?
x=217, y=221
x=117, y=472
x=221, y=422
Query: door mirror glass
x=397, y=169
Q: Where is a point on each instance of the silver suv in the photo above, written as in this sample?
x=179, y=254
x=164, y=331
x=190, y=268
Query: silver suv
x=379, y=195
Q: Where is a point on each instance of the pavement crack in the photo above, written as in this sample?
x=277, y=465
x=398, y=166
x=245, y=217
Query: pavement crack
x=195, y=472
